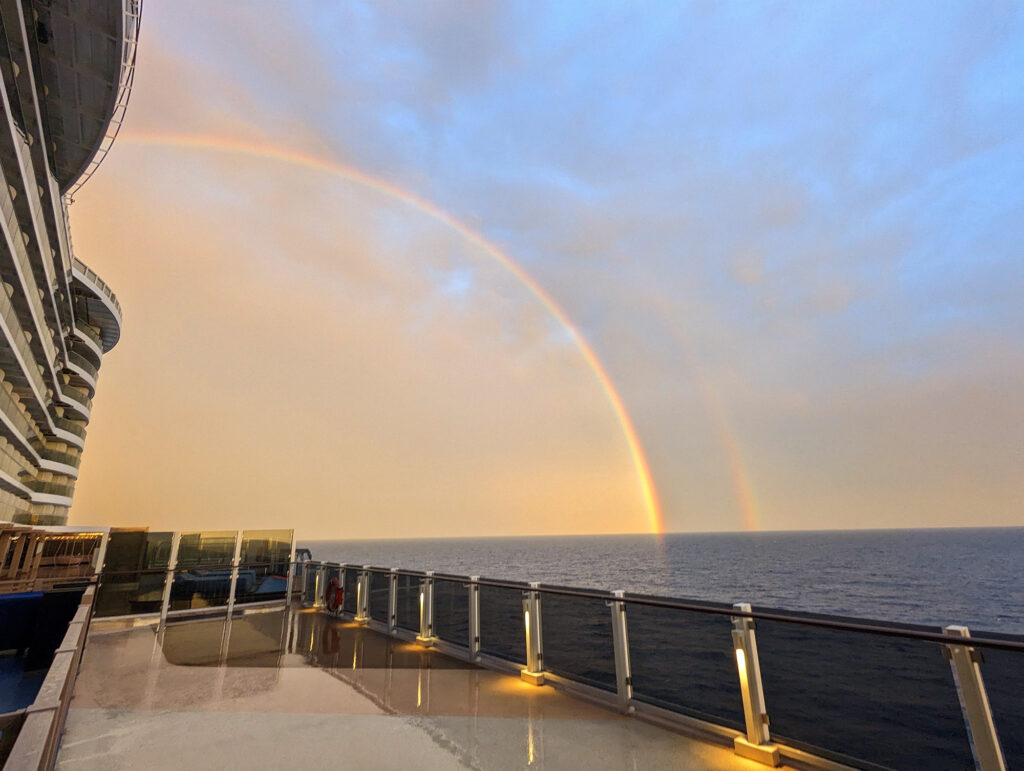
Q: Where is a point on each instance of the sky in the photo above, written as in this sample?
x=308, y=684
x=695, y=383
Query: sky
x=445, y=269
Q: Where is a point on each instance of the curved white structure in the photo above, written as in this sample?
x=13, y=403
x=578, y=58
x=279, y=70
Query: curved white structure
x=67, y=70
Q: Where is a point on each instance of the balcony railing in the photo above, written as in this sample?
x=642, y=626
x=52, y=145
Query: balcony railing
x=80, y=361
x=98, y=283
x=85, y=330
x=70, y=426
x=194, y=572
x=867, y=694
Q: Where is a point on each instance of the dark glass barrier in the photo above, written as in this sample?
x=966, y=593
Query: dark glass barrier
x=684, y=661
x=379, y=596
x=577, y=638
x=200, y=588
x=502, y=632
x=121, y=594
x=137, y=550
x=407, y=605
x=261, y=546
x=261, y=583
x=1003, y=674
x=451, y=611
x=134, y=573
x=350, y=600
x=846, y=695
x=206, y=549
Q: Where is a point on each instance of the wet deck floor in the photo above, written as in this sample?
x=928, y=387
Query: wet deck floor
x=310, y=691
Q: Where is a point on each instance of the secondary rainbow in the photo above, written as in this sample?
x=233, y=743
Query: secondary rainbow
x=648, y=492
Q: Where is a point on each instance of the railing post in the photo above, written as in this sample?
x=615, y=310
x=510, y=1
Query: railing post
x=320, y=585
x=964, y=661
x=757, y=744
x=291, y=574
x=363, y=596
x=234, y=571
x=620, y=640
x=474, y=618
x=534, y=672
x=426, y=635
x=392, y=600
x=172, y=563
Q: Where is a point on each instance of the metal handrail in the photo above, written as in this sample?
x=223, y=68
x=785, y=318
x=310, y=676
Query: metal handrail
x=98, y=282
x=786, y=618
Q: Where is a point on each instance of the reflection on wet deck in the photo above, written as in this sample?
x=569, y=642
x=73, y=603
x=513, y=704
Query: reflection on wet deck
x=302, y=687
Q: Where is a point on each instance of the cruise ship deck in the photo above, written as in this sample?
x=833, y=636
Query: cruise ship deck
x=304, y=688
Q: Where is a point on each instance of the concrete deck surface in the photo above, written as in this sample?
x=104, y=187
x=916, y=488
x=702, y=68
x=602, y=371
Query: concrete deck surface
x=305, y=690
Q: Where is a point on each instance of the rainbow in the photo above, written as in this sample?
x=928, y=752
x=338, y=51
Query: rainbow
x=648, y=492
x=746, y=498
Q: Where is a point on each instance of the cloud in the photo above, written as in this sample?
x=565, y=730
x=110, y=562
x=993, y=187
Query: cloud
x=786, y=230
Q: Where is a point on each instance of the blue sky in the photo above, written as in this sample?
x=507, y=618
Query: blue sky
x=791, y=231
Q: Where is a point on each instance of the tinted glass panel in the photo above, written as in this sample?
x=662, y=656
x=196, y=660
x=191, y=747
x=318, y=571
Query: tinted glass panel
x=684, y=661
x=200, y=588
x=262, y=583
x=451, y=611
x=408, y=603
x=379, y=597
x=206, y=549
x=263, y=546
x=502, y=632
x=121, y=594
x=350, y=601
x=1003, y=673
x=885, y=700
x=137, y=550
x=577, y=639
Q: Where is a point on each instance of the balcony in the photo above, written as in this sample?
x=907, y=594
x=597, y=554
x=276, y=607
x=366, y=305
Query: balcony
x=77, y=398
x=78, y=360
x=104, y=310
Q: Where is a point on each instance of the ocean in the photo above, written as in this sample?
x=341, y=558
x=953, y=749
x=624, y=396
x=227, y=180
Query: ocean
x=971, y=576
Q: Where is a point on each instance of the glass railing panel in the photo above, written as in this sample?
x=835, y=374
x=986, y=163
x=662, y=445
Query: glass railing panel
x=309, y=584
x=451, y=610
x=379, y=595
x=200, y=588
x=262, y=583
x=851, y=695
x=1003, y=674
x=207, y=548
x=502, y=632
x=407, y=607
x=683, y=661
x=123, y=594
x=137, y=550
x=263, y=546
x=350, y=599
x=577, y=638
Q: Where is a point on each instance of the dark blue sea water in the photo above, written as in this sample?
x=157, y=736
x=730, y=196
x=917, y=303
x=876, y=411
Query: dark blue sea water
x=963, y=576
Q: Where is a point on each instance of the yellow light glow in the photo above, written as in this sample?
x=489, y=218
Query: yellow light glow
x=530, y=743
x=526, y=619
x=741, y=662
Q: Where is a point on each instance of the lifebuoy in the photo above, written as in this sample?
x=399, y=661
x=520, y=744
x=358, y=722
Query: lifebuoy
x=334, y=595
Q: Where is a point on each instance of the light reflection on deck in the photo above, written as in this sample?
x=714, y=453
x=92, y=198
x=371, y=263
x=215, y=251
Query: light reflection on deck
x=302, y=687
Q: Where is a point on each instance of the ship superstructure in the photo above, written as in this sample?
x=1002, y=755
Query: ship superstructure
x=67, y=69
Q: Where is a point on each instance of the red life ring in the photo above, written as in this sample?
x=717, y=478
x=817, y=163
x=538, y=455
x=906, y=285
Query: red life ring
x=333, y=596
